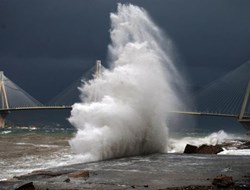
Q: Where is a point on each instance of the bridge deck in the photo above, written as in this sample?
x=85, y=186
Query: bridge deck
x=210, y=114
x=70, y=107
x=35, y=108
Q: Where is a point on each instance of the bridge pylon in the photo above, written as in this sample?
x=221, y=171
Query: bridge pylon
x=245, y=122
x=4, y=100
x=98, y=71
x=245, y=102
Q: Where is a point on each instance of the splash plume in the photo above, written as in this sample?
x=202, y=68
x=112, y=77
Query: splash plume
x=128, y=113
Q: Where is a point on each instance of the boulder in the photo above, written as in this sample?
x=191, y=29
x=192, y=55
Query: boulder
x=77, y=174
x=203, y=149
x=26, y=186
x=190, y=149
x=246, y=145
x=209, y=149
x=223, y=181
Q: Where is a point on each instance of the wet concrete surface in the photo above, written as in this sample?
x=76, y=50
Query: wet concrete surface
x=157, y=171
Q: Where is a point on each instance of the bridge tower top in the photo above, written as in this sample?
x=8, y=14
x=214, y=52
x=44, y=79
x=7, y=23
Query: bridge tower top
x=1, y=75
x=98, y=69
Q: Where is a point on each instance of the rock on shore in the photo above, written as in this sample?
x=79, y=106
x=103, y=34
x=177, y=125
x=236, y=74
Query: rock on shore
x=203, y=149
x=215, y=149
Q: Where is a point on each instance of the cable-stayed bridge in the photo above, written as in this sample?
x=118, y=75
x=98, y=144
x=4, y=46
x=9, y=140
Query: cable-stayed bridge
x=14, y=98
x=227, y=96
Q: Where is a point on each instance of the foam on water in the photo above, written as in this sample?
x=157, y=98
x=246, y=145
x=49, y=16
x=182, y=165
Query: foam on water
x=29, y=163
x=33, y=154
x=5, y=132
x=124, y=112
x=40, y=145
x=177, y=145
x=235, y=152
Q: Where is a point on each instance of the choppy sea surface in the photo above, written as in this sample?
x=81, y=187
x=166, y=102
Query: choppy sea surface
x=25, y=149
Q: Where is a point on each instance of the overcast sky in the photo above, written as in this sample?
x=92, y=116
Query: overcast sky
x=46, y=45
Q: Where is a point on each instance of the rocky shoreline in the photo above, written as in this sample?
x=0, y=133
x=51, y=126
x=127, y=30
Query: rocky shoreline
x=215, y=149
x=157, y=171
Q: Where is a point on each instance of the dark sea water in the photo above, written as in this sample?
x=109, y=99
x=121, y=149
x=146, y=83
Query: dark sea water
x=24, y=149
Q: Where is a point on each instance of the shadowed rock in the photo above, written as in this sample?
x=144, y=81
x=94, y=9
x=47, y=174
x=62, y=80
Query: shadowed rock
x=245, y=145
x=27, y=186
x=223, y=181
x=203, y=149
x=209, y=149
x=190, y=149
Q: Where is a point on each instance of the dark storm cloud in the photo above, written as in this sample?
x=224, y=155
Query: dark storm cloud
x=52, y=29
x=207, y=30
x=45, y=45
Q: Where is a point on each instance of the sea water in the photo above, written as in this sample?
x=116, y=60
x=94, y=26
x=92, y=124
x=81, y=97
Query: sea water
x=25, y=149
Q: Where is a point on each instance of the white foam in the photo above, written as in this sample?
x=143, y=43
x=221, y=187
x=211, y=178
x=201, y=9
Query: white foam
x=235, y=152
x=178, y=145
x=125, y=111
x=5, y=132
x=27, y=164
x=39, y=145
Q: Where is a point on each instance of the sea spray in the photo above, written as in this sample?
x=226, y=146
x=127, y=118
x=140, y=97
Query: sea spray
x=177, y=145
x=124, y=112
